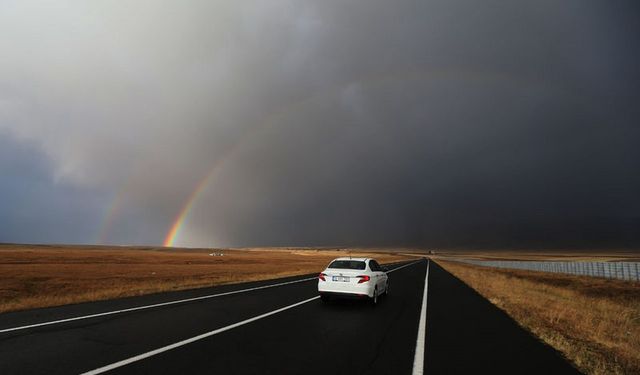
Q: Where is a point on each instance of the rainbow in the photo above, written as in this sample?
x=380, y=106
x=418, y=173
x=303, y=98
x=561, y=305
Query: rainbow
x=112, y=212
x=179, y=221
x=183, y=214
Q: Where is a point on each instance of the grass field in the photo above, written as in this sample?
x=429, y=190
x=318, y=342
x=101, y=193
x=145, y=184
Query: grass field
x=612, y=255
x=594, y=322
x=47, y=275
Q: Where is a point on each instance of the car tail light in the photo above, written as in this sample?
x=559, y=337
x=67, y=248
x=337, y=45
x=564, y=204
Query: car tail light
x=363, y=279
x=321, y=276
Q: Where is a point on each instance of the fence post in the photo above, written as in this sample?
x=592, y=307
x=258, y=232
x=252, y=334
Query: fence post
x=625, y=271
x=627, y=265
x=587, y=268
x=601, y=268
x=610, y=270
x=618, y=271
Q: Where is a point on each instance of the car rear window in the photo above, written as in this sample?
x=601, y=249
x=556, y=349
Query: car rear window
x=348, y=264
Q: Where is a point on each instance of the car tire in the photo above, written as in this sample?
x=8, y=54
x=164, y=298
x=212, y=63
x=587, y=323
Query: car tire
x=374, y=299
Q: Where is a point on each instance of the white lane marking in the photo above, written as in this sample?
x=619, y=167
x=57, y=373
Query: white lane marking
x=161, y=304
x=152, y=306
x=193, y=339
x=418, y=358
x=406, y=265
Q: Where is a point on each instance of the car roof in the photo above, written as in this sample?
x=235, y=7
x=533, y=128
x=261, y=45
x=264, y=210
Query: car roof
x=347, y=258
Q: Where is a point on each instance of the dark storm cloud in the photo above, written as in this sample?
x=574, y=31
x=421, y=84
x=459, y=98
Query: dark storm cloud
x=433, y=123
x=35, y=208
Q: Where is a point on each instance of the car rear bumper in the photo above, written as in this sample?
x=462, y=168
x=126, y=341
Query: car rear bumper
x=343, y=295
x=345, y=290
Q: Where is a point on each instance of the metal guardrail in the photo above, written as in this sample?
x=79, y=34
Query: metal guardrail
x=610, y=270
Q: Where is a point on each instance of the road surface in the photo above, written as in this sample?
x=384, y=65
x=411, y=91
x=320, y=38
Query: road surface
x=279, y=327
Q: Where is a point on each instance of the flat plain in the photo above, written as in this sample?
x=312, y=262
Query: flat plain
x=33, y=276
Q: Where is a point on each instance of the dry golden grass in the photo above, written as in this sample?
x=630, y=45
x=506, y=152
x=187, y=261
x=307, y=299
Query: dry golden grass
x=611, y=255
x=40, y=276
x=594, y=322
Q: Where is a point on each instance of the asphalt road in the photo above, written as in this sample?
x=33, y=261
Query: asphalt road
x=257, y=328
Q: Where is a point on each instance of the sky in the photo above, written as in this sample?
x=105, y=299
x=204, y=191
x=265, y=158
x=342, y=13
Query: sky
x=434, y=123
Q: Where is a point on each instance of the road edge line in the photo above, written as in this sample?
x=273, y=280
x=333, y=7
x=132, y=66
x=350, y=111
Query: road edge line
x=418, y=358
x=107, y=313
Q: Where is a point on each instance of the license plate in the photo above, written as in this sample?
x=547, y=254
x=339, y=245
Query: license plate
x=341, y=278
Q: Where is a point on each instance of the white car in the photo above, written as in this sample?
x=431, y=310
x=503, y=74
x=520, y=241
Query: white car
x=353, y=277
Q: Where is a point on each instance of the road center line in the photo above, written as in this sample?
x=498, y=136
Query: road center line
x=418, y=359
x=193, y=339
x=401, y=267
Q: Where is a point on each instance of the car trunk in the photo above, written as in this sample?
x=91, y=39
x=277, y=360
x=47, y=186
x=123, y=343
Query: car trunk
x=345, y=277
